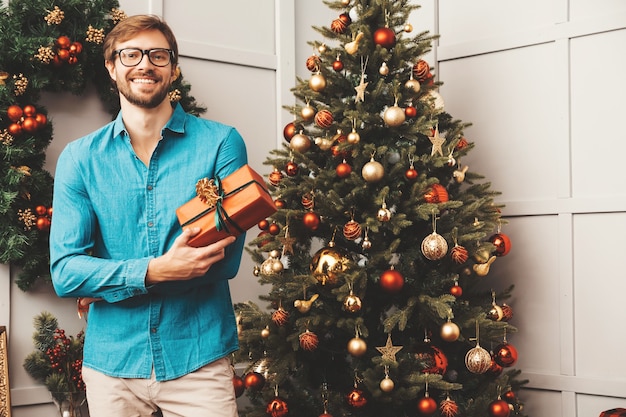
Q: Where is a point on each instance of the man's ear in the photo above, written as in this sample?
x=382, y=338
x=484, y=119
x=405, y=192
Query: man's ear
x=175, y=73
x=110, y=66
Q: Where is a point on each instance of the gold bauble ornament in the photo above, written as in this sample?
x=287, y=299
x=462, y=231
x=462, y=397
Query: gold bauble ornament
x=300, y=142
x=307, y=113
x=317, y=82
x=352, y=303
x=354, y=137
x=367, y=243
x=384, y=69
x=357, y=347
x=387, y=384
x=478, y=360
x=373, y=171
x=384, y=214
x=394, y=116
x=413, y=85
x=408, y=28
x=434, y=246
x=450, y=332
x=265, y=333
x=328, y=264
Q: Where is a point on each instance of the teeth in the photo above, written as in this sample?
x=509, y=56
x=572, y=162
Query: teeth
x=143, y=81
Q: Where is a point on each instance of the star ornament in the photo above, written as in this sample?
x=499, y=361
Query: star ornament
x=437, y=141
x=287, y=242
x=360, y=90
x=389, y=350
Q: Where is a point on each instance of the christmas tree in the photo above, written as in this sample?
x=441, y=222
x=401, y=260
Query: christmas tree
x=379, y=255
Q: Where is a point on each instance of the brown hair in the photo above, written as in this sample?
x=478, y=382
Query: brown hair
x=133, y=25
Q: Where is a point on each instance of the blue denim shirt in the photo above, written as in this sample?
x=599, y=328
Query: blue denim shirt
x=112, y=214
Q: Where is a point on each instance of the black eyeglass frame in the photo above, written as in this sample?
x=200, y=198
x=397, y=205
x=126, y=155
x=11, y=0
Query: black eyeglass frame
x=143, y=53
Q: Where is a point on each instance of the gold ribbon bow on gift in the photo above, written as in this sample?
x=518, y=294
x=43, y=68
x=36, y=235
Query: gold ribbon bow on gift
x=207, y=191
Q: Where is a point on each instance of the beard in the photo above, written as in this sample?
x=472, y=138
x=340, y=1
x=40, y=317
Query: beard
x=146, y=101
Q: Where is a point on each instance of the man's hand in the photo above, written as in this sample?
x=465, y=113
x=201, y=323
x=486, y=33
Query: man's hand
x=184, y=262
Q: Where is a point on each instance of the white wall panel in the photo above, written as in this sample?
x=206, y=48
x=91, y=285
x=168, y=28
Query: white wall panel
x=508, y=96
x=543, y=403
x=598, y=90
x=585, y=9
x=589, y=405
x=481, y=19
x=246, y=25
x=599, y=292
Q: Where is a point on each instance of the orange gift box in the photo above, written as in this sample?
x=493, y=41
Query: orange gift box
x=226, y=207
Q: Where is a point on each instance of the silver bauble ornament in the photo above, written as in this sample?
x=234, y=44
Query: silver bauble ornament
x=478, y=360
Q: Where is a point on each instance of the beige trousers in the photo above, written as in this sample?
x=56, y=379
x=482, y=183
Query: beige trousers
x=207, y=392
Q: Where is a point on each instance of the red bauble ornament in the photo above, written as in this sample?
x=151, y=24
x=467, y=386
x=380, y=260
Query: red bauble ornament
x=311, y=220
x=436, y=193
x=456, y=290
x=509, y=396
x=385, y=37
x=459, y=254
x=15, y=129
x=273, y=229
x=421, y=70
x=253, y=381
x=289, y=131
x=275, y=177
x=499, y=408
x=410, y=111
x=502, y=243
x=14, y=112
x=313, y=63
x=308, y=341
x=29, y=124
x=76, y=48
x=411, y=174
x=41, y=210
x=63, y=42
x=346, y=18
x=325, y=415
x=264, y=241
x=41, y=119
x=343, y=170
x=426, y=406
x=337, y=65
x=507, y=312
x=63, y=54
x=279, y=203
x=338, y=26
x=50, y=212
x=238, y=385
x=461, y=144
x=43, y=223
x=263, y=224
x=494, y=369
x=29, y=110
x=432, y=358
x=291, y=169
x=280, y=317
x=277, y=407
x=505, y=354
x=324, y=118
x=356, y=398
x=391, y=281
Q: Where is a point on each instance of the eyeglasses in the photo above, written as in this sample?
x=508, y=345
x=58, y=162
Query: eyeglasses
x=131, y=57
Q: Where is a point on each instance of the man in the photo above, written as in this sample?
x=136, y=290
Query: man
x=161, y=331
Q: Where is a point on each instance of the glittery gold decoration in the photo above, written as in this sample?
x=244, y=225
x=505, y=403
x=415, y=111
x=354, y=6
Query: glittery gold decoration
x=3, y=77
x=55, y=17
x=207, y=191
x=95, y=35
x=118, y=15
x=45, y=54
x=5, y=137
x=27, y=217
x=175, y=95
x=20, y=84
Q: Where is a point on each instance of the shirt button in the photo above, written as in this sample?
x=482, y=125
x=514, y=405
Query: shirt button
x=150, y=188
x=153, y=330
x=150, y=224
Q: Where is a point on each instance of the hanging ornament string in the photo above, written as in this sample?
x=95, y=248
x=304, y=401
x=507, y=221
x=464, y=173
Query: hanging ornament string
x=360, y=89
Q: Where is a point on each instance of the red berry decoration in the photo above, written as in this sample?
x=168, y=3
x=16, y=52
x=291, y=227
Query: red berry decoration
x=273, y=229
x=29, y=110
x=385, y=37
x=41, y=119
x=279, y=203
x=356, y=398
x=63, y=42
x=29, y=124
x=426, y=406
x=253, y=381
x=277, y=407
x=505, y=354
x=391, y=281
x=15, y=129
x=311, y=220
x=264, y=224
x=499, y=408
x=502, y=243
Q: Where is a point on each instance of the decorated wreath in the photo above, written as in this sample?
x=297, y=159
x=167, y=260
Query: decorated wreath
x=47, y=46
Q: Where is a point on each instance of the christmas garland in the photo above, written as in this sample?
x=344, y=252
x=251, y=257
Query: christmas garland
x=47, y=46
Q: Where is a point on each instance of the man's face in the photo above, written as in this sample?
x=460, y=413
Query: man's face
x=145, y=85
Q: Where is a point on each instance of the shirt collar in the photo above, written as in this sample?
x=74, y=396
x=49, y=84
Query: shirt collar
x=175, y=124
